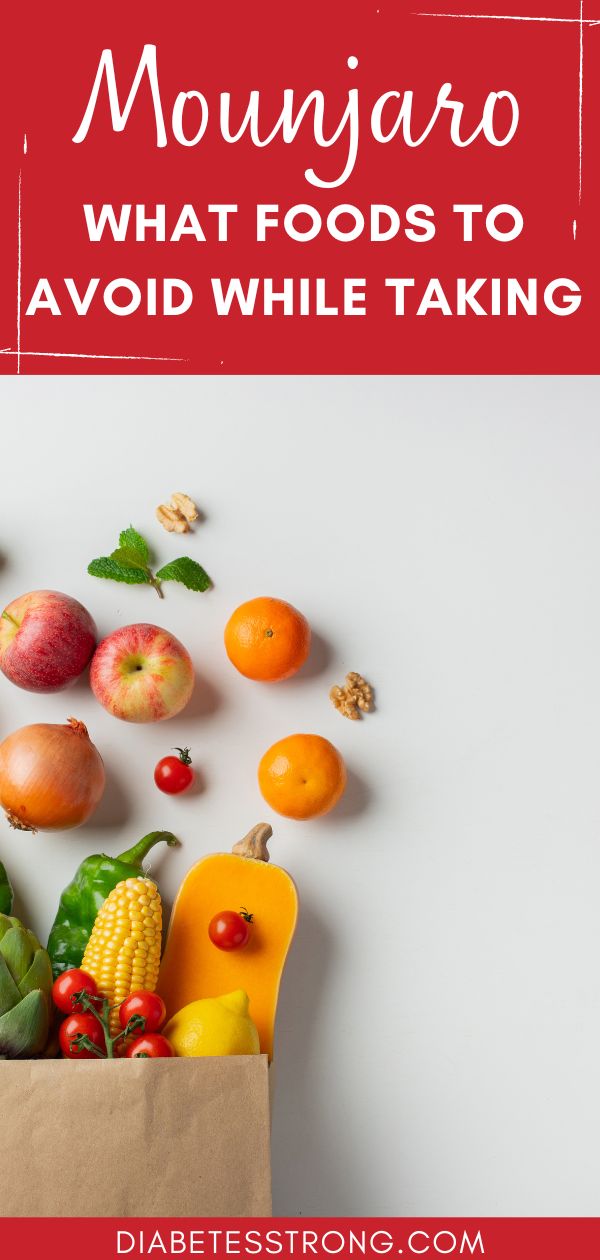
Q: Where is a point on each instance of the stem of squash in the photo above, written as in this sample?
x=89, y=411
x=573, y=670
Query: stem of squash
x=254, y=845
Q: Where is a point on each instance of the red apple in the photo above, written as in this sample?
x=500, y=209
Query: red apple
x=142, y=674
x=46, y=640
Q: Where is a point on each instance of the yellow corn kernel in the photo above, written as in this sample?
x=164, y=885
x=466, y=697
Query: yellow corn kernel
x=123, y=952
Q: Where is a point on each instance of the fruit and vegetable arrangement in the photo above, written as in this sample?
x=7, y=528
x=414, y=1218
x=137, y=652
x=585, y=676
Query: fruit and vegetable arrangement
x=104, y=986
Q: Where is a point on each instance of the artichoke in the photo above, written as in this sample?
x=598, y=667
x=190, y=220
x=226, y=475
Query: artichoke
x=25, y=985
x=6, y=892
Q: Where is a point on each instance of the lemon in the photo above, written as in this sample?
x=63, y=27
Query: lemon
x=214, y=1026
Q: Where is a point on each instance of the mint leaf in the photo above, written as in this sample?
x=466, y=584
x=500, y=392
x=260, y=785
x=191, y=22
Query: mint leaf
x=187, y=571
x=130, y=540
x=130, y=559
x=108, y=567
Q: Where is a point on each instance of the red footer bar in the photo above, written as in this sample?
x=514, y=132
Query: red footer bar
x=108, y=1238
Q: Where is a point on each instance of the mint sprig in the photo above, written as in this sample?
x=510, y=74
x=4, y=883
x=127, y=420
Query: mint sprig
x=130, y=562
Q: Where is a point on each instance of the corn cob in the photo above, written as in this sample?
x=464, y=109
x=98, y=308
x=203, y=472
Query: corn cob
x=123, y=952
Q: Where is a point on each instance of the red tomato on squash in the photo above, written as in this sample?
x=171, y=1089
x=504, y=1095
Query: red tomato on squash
x=85, y=1024
x=174, y=774
x=230, y=930
x=67, y=985
x=149, y=1005
x=150, y=1046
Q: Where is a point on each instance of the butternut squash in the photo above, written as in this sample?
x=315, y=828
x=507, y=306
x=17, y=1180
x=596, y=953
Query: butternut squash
x=193, y=968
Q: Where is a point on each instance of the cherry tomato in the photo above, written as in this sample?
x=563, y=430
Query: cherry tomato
x=230, y=930
x=149, y=1005
x=67, y=985
x=88, y=1026
x=150, y=1046
x=175, y=774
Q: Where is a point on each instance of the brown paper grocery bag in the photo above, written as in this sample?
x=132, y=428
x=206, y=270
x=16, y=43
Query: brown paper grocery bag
x=145, y=1137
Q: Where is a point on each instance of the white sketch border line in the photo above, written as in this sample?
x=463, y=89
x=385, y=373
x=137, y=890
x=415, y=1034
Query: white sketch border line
x=19, y=353
x=580, y=21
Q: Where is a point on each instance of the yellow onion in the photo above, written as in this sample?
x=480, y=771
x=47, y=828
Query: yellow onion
x=51, y=777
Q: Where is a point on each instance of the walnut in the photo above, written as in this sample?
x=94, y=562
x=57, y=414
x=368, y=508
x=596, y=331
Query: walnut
x=171, y=519
x=354, y=697
x=185, y=505
x=177, y=515
x=346, y=707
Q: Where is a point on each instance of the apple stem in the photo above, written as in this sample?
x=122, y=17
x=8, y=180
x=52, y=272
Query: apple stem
x=157, y=588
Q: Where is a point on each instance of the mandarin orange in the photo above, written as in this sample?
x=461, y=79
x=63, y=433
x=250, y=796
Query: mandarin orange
x=267, y=639
x=302, y=776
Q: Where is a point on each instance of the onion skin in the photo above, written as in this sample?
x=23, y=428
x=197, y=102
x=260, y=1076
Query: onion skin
x=51, y=777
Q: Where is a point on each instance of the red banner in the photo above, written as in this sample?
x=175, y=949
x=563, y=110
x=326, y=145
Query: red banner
x=494, y=1237
x=349, y=188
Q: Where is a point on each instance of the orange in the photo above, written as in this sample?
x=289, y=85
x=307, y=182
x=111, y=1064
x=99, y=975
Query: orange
x=267, y=639
x=302, y=776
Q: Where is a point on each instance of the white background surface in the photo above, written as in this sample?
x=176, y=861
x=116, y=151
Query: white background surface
x=440, y=1018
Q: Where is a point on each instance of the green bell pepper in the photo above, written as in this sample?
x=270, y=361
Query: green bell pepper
x=80, y=902
x=6, y=892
